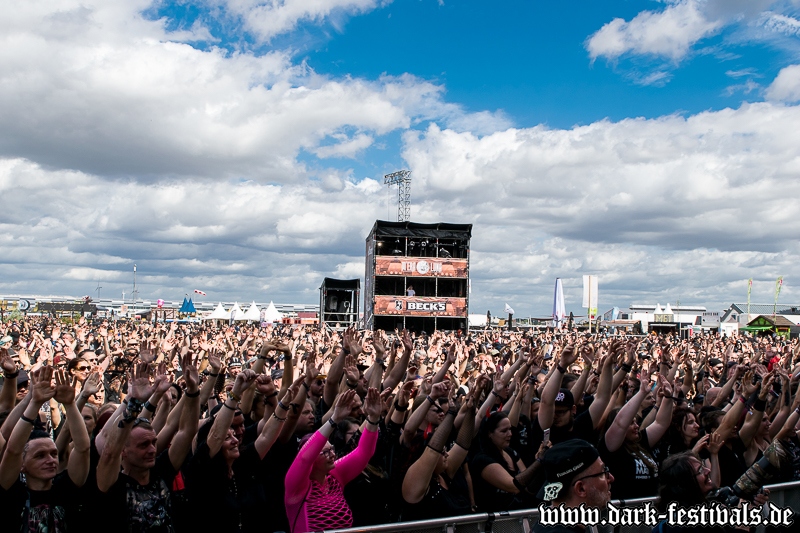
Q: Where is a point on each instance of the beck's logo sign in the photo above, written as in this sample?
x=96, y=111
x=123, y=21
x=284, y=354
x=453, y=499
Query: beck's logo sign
x=426, y=306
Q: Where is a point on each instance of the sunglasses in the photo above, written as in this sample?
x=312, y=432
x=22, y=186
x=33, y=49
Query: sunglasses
x=82, y=368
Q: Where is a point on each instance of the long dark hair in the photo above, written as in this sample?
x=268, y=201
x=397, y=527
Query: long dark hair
x=674, y=436
x=488, y=425
x=677, y=481
x=635, y=448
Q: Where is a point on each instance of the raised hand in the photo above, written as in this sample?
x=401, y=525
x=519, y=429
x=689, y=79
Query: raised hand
x=404, y=394
x=568, y=356
x=65, y=388
x=139, y=385
x=440, y=389
x=190, y=374
x=147, y=352
x=265, y=385
x=344, y=405
x=92, y=384
x=408, y=344
x=162, y=381
x=350, y=369
x=42, y=388
x=380, y=348
x=6, y=362
x=243, y=381
x=372, y=404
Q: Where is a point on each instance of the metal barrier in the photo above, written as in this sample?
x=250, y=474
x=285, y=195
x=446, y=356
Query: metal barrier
x=522, y=521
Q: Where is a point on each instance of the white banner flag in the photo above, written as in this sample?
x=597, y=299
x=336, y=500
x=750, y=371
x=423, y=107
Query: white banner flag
x=590, y=292
x=509, y=311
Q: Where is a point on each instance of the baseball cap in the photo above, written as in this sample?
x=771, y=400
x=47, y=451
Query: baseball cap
x=234, y=362
x=564, y=398
x=562, y=463
x=277, y=373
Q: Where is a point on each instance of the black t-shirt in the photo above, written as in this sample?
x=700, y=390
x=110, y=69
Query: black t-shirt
x=487, y=496
x=273, y=478
x=438, y=502
x=582, y=428
x=237, y=502
x=43, y=511
x=731, y=462
x=129, y=506
x=635, y=474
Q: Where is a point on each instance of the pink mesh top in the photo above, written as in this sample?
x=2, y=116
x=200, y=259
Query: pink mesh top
x=314, y=506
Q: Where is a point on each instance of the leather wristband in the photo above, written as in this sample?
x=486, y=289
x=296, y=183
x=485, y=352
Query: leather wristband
x=400, y=409
x=561, y=369
x=26, y=419
x=194, y=394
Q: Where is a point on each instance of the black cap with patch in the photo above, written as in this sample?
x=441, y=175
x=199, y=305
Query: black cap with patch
x=564, y=398
x=562, y=463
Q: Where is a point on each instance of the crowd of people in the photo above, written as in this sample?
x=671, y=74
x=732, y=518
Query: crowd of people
x=174, y=427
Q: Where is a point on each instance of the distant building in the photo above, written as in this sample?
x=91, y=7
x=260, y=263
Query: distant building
x=667, y=319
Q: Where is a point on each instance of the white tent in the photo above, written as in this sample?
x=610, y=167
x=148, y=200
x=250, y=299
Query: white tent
x=218, y=314
x=272, y=314
x=253, y=313
x=236, y=312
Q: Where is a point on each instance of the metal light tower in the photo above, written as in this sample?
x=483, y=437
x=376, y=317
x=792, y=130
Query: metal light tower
x=403, y=180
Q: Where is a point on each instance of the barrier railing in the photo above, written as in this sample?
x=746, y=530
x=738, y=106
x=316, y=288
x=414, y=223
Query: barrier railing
x=785, y=495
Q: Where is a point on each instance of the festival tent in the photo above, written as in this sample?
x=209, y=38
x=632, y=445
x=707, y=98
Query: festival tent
x=252, y=313
x=187, y=307
x=218, y=314
x=272, y=314
x=236, y=312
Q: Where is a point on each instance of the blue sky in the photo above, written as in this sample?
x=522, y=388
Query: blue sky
x=238, y=147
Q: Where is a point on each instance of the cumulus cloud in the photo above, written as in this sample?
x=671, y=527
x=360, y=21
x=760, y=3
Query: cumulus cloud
x=786, y=85
x=668, y=33
x=269, y=18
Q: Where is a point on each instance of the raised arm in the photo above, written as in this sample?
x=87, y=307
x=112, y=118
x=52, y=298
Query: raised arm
x=224, y=417
x=8, y=394
x=190, y=415
x=140, y=389
x=615, y=436
x=547, y=407
x=418, y=477
x=394, y=376
x=659, y=427
x=336, y=370
x=751, y=424
x=415, y=420
x=603, y=394
x=42, y=390
x=78, y=467
x=349, y=466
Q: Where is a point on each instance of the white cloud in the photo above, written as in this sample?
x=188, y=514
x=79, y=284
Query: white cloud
x=786, y=85
x=269, y=18
x=669, y=33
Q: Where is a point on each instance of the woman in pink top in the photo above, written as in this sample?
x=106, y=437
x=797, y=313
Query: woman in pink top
x=315, y=482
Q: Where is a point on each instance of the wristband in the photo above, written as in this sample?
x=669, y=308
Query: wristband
x=519, y=485
x=295, y=407
x=26, y=419
x=492, y=392
x=760, y=405
x=626, y=367
x=262, y=357
x=225, y=404
x=351, y=385
x=428, y=397
x=149, y=406
x=332, y=423
x=373, y=423
x=276, y=417
x=561, y=369
x=271, y=395
x=233, y=396
x=11, y=376
x=209, y=374
x=305, y=385
x=400, y=409
x=282, y=406
x=194, y=394
x=440, y=452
